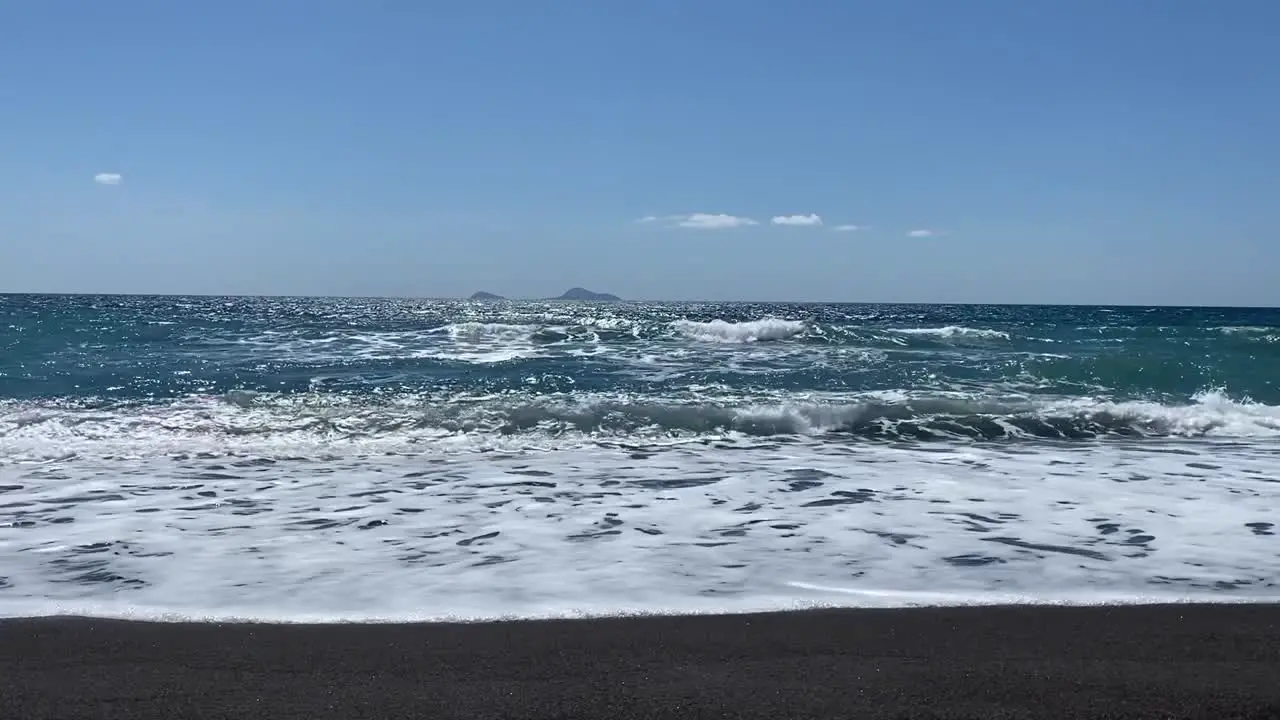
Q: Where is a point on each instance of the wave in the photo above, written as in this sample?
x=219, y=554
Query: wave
x=483, y=342
x=715, y=330
x=488, y=342
x=739, y=332
x=779, y=329
x=952, y=331
x=596, y=329
x=1251, y=333
x=1244, y=329
x=478, y=331
x=416, y=423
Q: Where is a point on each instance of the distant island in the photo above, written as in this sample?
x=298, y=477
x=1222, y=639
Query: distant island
x=584, y=294
x=570, y=294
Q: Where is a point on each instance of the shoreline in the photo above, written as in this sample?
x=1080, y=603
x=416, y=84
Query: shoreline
x=944, y=602
x=1176, y=660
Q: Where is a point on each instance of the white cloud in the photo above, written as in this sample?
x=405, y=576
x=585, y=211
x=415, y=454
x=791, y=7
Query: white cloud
x=810, y=219
x=108, y=178
x=648, y=219
x=711, y=221
x=849, y=228
x=922, y=233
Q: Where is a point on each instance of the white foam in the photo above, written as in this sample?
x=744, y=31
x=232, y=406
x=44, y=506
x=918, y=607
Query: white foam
x=1244, y=330
x=953, y=331
x=739, y=332
x=621, y=528
x=319, y=424
x=473, y=331
x=1211, y=412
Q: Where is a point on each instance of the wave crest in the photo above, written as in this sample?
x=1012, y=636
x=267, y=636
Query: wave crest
x=478, y=331
x=953, y=331
x=319, y=422
x=739, y=332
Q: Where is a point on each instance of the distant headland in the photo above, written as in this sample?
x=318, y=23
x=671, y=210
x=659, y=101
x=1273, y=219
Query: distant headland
x=576, y=293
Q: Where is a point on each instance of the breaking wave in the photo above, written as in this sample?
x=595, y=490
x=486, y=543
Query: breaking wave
x=952, y=331
x=740, y=332
x=769, y=329
x=474, y=331
x=247, y=420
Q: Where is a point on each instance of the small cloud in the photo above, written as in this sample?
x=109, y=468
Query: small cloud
x=108, y=178
x=698, y=221
x=923, y=233
x=711, y=221
x=850, y=228
x=810, y=219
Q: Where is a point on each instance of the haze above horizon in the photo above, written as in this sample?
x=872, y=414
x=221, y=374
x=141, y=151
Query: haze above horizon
x=921, y=151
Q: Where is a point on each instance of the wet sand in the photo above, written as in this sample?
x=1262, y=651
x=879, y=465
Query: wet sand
x=1179, y=661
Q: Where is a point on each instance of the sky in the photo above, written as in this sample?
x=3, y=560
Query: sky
x=1002, y=151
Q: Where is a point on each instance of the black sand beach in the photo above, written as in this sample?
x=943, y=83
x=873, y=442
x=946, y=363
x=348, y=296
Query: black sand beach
x=1181, y=661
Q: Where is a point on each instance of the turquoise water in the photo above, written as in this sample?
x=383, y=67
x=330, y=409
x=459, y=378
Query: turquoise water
x=971, y=451
x=924, y=372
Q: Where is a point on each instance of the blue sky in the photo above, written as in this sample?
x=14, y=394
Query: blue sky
x=1094, y=151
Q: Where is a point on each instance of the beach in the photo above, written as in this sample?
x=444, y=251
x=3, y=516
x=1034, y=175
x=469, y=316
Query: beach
x=1168, y=661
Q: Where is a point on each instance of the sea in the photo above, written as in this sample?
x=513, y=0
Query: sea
x=302, y=459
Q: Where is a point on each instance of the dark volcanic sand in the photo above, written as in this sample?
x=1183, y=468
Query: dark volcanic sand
x=1216, y=661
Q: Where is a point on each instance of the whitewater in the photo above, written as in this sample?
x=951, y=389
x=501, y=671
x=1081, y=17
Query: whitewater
x=296, y=459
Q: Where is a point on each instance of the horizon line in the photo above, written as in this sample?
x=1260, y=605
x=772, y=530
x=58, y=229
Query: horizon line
x=458, y=298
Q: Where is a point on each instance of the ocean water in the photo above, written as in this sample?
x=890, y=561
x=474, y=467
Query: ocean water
x=365, y=459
